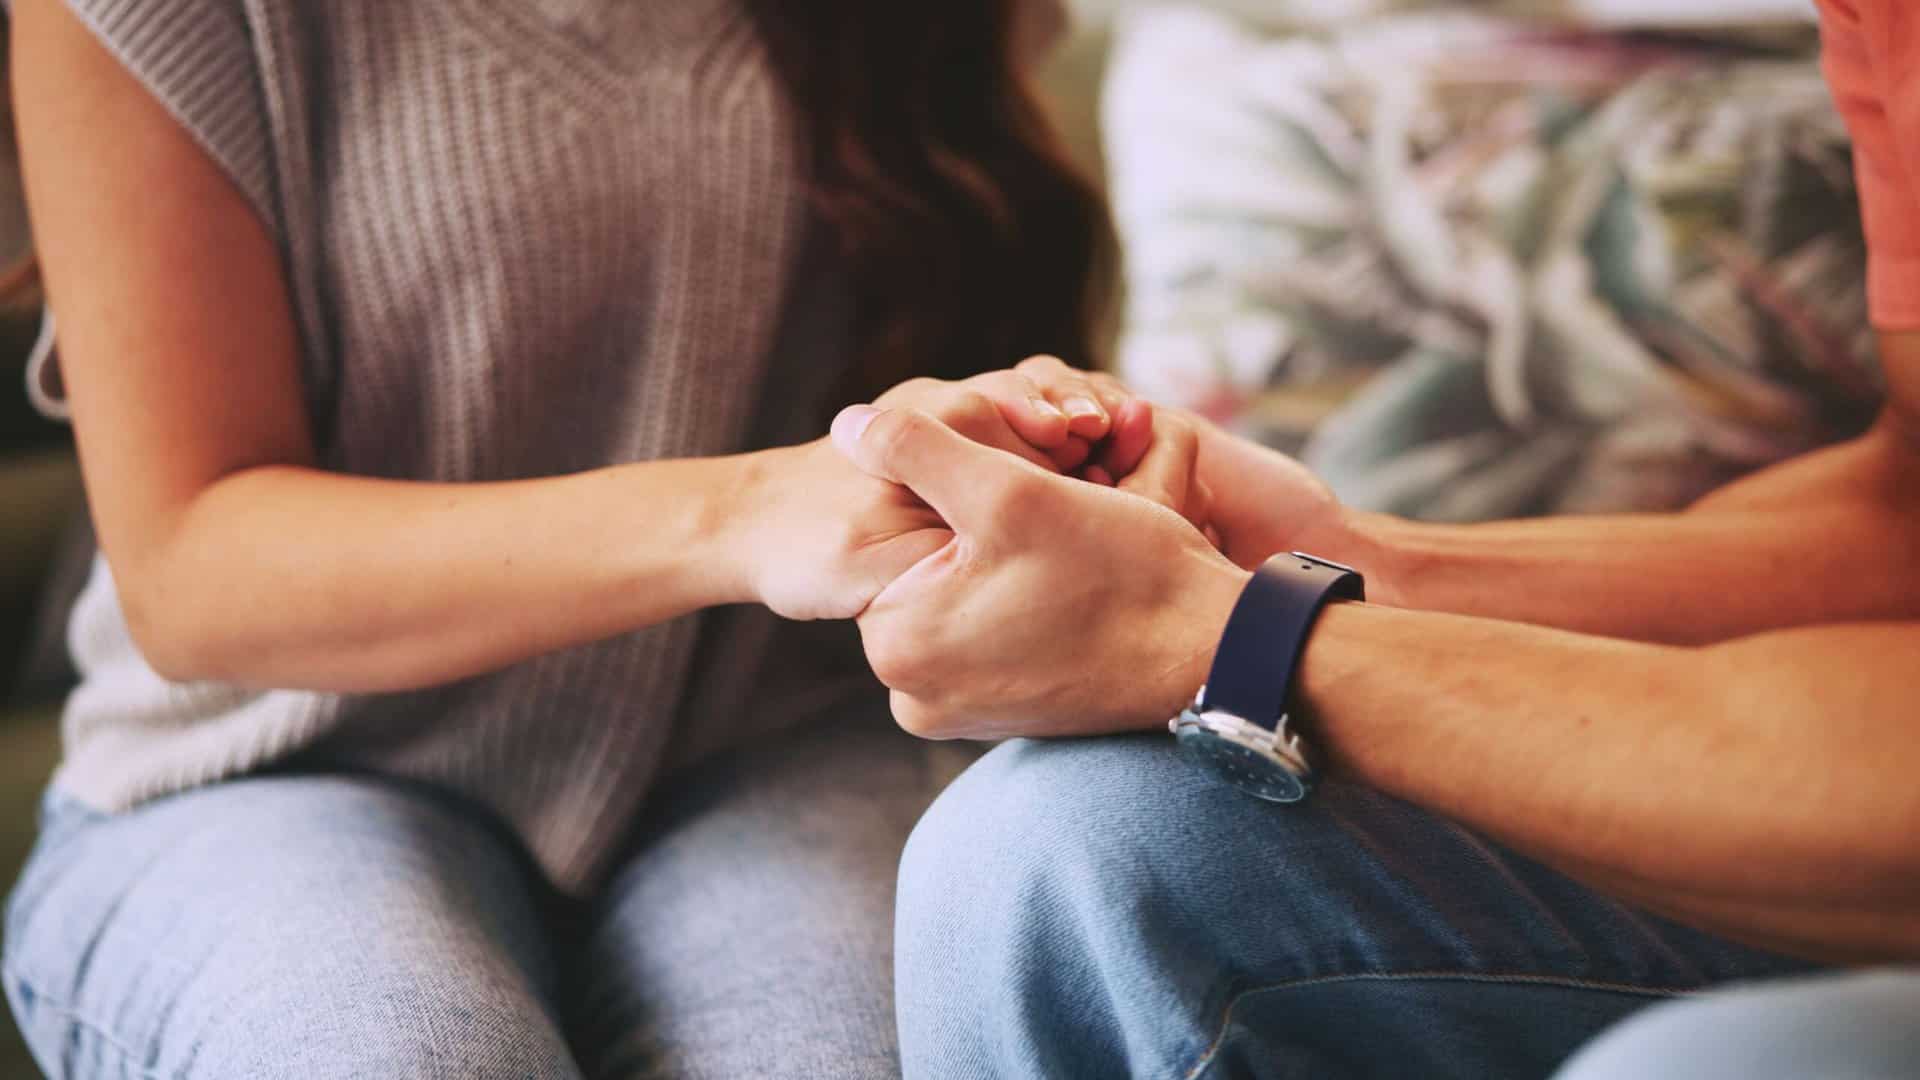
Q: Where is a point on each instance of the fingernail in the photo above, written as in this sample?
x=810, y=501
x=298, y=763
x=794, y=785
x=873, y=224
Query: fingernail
x=1046, y=408
x=1079, y=406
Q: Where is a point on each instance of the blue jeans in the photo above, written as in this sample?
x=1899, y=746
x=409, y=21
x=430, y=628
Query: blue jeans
x=330, y=926
x=1101, y=908
x=1853, y=1027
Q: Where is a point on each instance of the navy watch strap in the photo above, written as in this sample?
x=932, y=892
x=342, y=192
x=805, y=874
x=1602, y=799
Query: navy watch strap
x=1253, y=669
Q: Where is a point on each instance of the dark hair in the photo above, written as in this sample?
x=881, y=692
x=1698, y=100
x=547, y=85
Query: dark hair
x=20, y=278
x=972, y=240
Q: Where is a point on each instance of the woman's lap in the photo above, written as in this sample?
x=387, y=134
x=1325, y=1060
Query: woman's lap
x=319, y=926
x=752, y=933
x=1100, y=907
x=298, y=926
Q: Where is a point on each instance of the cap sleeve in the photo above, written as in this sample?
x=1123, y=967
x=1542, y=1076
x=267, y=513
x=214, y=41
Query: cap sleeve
x=199, y=59
x=1869, y=48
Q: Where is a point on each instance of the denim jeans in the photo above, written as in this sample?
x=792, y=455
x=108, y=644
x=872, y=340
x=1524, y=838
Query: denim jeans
x=1100, y=908
x=1851, y=1027
x=331, y=926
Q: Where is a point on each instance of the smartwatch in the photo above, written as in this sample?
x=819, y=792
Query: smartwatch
x=1238, y=726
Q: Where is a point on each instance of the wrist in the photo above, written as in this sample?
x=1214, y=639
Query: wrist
x=735, y=520
x=1368, y=542
x=1200, y=617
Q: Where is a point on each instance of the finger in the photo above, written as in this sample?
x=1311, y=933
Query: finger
x=964, y=481
x=1072, y=454
x=975, y=413
x=1026, y=408
x=1199, y=509
x=1165, y=474
x=1094, y=474
x=1132, y=434
x=1213, y=537
x=1112, y=393
x=1073, y=392
x=883, y=563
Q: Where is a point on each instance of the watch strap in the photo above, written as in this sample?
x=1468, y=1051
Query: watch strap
x=1253, y=670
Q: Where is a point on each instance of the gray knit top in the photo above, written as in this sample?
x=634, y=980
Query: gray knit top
x=523, y=238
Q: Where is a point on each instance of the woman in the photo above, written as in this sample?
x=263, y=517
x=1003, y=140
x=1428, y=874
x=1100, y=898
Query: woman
x=414, y=351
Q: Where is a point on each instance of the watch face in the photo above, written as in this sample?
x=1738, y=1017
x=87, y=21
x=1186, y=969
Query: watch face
x=1245, y=767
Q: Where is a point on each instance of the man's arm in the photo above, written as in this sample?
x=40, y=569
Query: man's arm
x=1762, y=788
x=1830, y=536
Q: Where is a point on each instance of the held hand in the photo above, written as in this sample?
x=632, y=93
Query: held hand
x=1041, y=410
x=1057, y=607
x=1263, y=502
x=812, y=537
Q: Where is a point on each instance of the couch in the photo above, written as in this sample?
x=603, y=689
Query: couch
x=40, y=502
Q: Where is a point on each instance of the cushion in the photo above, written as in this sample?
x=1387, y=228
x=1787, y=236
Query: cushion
x=1479, y=266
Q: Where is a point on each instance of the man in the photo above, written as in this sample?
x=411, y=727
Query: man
x=1710, y=715
x=1570, y=766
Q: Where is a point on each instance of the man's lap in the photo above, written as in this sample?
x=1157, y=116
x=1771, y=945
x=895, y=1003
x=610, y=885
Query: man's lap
x=1100, y=905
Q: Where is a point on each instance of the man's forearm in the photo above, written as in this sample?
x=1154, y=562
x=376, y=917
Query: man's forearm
x=1831, y=536
x=1761, y=788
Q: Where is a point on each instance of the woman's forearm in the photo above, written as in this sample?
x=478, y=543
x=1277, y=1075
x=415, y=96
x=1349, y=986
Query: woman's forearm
x=1762, y=788
x=293, y=577
x=1829, y=537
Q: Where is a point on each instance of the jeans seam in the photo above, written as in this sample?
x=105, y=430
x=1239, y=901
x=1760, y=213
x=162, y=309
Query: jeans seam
x=73, y=1016
x=1564, y=981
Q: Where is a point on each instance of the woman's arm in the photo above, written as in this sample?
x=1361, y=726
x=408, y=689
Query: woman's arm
x=238, y=560
x=235, y=558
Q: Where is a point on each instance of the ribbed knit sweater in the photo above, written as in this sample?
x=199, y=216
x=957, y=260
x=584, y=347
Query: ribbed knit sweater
x=523, y=238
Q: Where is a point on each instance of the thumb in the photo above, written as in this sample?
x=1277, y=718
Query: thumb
x=956, y=476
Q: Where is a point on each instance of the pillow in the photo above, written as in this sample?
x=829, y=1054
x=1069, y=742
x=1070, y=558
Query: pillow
x=1476, y=266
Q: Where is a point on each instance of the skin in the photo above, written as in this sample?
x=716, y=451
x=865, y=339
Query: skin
x=181, y=363
x=1710, y=713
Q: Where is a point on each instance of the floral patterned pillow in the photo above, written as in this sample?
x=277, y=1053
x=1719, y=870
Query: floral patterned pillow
x=1478, y=266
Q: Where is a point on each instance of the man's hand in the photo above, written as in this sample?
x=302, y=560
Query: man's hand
x=1058, y=607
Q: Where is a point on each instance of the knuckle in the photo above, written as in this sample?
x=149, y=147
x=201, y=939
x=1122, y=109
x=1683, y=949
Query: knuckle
x=891, y=431
x=1042, y=366
x=1020, y=497
x=967, y=409
x=897, y=661
x=913, y=391
x=920, y=719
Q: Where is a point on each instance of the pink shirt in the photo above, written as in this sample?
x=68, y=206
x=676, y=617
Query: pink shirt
x=1871, y=52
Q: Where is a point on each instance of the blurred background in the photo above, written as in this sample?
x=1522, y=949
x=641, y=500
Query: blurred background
x=1470, y=259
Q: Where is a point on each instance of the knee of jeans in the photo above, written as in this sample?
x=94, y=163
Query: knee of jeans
x=1095, y=857
x=1041, y=898
x=1854, y=1026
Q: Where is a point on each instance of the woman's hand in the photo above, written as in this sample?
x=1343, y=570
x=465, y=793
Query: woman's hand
x=812, y=537
x=1042, y=410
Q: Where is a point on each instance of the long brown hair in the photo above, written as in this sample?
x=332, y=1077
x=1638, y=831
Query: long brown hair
x=971, y=239
x=19, y=272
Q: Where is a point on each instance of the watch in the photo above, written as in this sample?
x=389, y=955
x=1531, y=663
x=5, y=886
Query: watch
x=1238, y=725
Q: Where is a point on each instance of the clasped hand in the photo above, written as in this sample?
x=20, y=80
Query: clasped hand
x=1034, y=551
